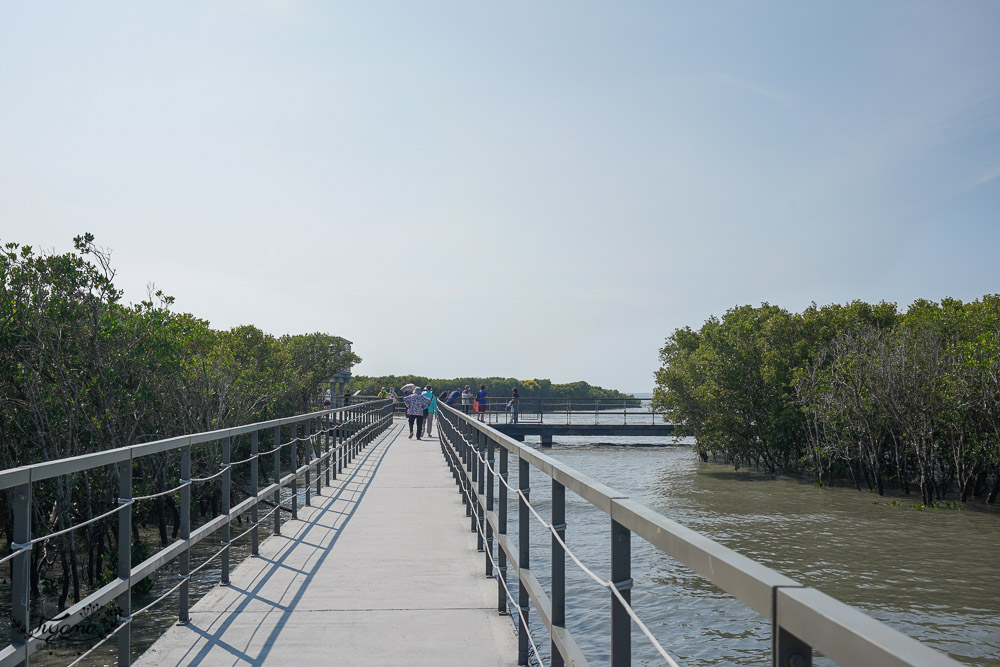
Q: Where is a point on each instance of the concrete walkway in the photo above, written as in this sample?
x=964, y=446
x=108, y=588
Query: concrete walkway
x=382, y=570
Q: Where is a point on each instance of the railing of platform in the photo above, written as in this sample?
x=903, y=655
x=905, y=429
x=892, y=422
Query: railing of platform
x=319, y=443
x=802, y=618
x=570, y=410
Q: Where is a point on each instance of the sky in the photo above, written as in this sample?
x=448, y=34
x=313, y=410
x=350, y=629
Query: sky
x=518, y=189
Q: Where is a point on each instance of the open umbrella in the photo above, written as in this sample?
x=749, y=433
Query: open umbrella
x=408, y=385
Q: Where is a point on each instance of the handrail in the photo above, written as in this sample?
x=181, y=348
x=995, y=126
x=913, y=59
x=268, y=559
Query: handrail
x=570, y=410
x=802, y=618
x=48, y=469
x=332, y=438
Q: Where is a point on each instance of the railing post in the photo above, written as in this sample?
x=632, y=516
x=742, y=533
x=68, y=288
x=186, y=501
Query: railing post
x=227, y=488
x=502, y=528
x=343, y=430
x=621, y=578
x=558, y=567
x=352, y=449
x=326, y=446
x=307, y=460
x=185, y=534
x=489, y=506
x=523, y=561
x=348, y=436
x=20, y=599
x=787, y=649
x=295, y=469
x=466, y=464
x=337, y=438
x=481, y=473
x=125, y=560
x=276, y=433
x=254, y=489
x=335, y=456
x=472, y=468
x=454, y=458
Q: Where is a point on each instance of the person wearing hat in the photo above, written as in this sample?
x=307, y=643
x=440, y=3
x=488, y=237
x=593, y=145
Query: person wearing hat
x=430, y=410
x=415, y=404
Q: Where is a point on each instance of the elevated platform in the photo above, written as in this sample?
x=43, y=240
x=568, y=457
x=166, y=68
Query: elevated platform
x=521, y=429
x=381, y=570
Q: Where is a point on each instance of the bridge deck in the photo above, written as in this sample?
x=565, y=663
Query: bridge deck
x=381, y=570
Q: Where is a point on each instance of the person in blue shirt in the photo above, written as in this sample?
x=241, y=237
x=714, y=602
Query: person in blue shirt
x=430, y=410
x=481, y=401
x=453, y=397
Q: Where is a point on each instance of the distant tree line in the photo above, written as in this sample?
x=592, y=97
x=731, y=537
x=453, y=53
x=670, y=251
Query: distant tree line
x=498, y=388
x=82, y=372
x=861, y=392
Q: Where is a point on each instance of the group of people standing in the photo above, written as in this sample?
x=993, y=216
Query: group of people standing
x=467, y=400
x=422, y=406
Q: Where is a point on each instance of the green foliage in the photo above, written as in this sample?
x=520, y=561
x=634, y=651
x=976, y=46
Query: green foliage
x=859, y=391
x=140, y=552
x=82, y=372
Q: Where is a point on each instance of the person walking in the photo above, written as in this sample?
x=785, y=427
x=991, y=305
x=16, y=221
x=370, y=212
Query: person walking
x=430, y=410
x=466, y=399
x=515, y=397
x=481, y=402
x=415, y=404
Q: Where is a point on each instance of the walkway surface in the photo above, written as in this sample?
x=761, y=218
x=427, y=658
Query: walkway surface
x=381, y=570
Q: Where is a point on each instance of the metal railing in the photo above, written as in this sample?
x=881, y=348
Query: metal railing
x=802, y=618
x=573, y=410
x=329, y=439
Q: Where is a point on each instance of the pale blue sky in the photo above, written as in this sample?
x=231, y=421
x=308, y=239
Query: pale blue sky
x=561, y=184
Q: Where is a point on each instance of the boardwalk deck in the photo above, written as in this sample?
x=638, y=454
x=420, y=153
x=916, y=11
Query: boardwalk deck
x=381, y=570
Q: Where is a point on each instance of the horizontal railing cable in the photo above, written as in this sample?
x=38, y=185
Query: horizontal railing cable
x=605, y=583
x=100, y=643
x=128, y=619
x=225, y=466
x=180, y=486
x=246, y=460
x=209, y=559
x=38, y=540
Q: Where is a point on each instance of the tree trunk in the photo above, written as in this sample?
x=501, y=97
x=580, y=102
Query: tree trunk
x=850, y=466
x=176, y=516
x=64, y=593
x=74, y=568
x=36, y=570
x=161, y=517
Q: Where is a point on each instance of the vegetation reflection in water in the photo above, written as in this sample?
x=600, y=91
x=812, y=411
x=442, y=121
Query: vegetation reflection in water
x=931, y=574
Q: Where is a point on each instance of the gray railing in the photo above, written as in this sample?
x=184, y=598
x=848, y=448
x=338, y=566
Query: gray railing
x=319, y=443
x=570, y=410
x=802, y=618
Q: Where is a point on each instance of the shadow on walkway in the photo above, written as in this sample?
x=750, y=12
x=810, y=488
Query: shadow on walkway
x=320, y=531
